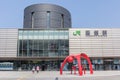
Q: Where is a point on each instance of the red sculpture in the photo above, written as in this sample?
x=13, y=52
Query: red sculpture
x=78, y=57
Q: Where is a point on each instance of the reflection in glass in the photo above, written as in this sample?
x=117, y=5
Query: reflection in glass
x=43, y=43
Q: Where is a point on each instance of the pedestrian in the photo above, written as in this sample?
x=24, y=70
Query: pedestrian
x=33, y=69
x=37, y=69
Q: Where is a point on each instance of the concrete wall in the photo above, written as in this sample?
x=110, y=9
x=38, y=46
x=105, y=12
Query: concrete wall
x=95, y=46
x=8, y=42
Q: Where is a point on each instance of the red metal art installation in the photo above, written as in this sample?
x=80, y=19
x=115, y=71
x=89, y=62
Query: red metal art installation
x=78, y=57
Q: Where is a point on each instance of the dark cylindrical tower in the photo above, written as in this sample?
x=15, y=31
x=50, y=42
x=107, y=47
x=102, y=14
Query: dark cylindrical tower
x=46, y=16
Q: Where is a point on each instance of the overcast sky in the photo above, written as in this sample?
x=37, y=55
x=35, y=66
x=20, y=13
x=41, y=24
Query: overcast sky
x=85, y=13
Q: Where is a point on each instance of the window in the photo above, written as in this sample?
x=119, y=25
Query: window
x=87, y=33
x=20, y=34
x=25, y=35
x=104, y=33
x=43, y=43
x=32, y=19
x=62, y=21
x=48, y=19
x=95, y=33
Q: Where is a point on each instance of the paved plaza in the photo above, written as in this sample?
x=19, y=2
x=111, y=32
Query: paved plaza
x=54, y=75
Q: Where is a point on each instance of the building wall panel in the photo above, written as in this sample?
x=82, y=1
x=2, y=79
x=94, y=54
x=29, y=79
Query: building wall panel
x=8, y=42
x=95, y=46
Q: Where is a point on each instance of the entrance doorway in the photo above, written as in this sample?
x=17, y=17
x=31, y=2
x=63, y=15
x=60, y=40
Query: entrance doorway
x=108, y=64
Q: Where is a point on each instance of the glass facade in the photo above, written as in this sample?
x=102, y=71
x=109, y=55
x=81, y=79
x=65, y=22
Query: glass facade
x=43, y=43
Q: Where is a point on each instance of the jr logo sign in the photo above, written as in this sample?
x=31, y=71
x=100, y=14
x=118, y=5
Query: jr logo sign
x=76, y=33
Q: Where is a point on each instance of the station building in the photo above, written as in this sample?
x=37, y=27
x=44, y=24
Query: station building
x=47, y=38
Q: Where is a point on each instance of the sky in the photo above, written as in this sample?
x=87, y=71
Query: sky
x=84, y=13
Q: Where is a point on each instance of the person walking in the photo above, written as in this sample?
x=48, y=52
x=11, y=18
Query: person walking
x=33, y=69
x=37, y=69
